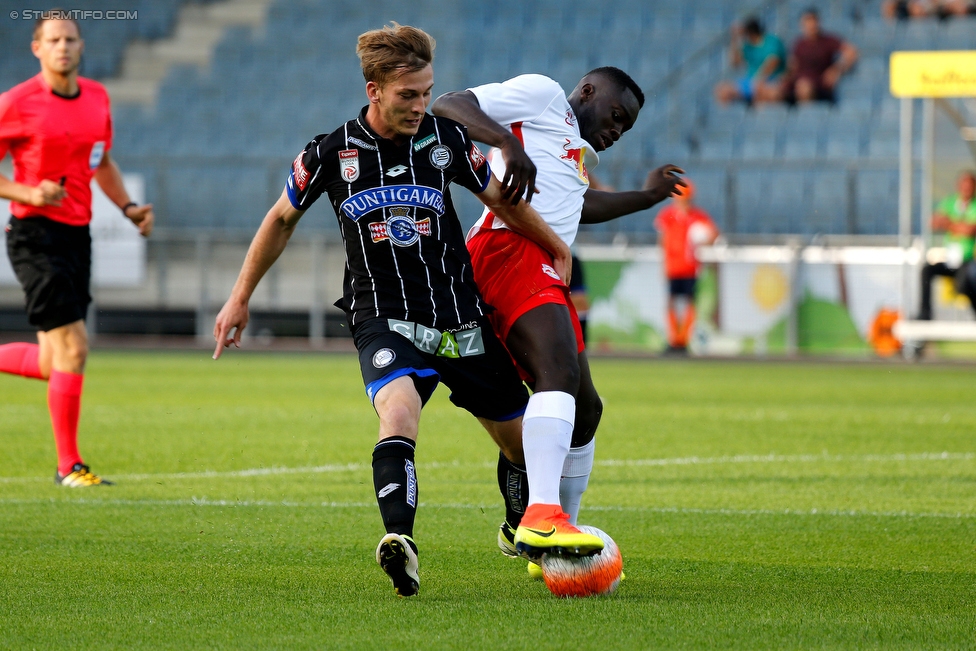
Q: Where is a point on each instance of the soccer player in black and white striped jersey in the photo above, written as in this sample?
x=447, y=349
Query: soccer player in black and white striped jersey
x=414, y=310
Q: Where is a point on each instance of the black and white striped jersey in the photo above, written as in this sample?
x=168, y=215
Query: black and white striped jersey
x=405, y=252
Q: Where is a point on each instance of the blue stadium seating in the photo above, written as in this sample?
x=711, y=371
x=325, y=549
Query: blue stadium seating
x=877, y=201
x=105, y=40
x=216, y=148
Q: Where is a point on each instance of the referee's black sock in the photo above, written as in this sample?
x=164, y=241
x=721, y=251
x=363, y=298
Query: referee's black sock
x=395, y=481
x=513, y=482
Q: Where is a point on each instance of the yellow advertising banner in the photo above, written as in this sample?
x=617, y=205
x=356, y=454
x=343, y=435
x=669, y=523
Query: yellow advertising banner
x=933, y=74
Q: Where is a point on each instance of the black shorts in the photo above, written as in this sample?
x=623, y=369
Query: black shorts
x=52, y=261
x=469, y=360
x=682, y=286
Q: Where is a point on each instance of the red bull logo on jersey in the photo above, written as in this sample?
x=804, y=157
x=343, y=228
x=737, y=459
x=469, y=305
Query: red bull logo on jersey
x=575, y=155
x=349, y=165
x=411, y=196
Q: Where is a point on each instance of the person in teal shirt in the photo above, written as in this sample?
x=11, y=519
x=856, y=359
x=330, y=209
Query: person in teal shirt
x=764, y=57
x=955, y=216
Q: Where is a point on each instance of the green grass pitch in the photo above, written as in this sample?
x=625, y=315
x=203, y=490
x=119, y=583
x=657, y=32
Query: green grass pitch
x=757, y=505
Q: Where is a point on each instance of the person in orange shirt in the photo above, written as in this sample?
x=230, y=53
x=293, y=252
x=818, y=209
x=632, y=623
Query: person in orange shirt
x=683, y=227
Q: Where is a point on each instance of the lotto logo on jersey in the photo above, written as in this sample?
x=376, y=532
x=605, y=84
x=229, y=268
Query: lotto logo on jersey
x=476, y=157
x=575, y=156
x=301, y=174
x=349, y=165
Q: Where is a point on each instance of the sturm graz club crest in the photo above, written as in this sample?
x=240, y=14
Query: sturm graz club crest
x=399, y=228
x=383, y=357
x=440, y=156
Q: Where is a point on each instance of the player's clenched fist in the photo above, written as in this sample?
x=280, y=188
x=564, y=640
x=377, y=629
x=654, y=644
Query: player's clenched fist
x=520, y=173
x=662, y=182
x=47, y=193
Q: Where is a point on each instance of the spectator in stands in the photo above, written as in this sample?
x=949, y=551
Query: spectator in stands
x=683, y=227
x=764, y=56
x=903, y=9
x=956, y=217
x=817, y=62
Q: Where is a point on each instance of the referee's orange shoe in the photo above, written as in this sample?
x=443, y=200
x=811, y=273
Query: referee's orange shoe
x=545, y=529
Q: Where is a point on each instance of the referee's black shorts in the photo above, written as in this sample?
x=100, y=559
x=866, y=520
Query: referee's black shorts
x=484, y=383
x=52, y=261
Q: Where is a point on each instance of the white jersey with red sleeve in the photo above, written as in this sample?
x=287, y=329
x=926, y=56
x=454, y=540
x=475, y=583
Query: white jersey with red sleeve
x=535, y=109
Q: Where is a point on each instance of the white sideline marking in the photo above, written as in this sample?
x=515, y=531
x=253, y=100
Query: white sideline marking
x=370, y=505
x=790, y=458
x=676, y=461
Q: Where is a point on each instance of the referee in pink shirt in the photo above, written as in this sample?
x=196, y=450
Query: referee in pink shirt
x=58, y=129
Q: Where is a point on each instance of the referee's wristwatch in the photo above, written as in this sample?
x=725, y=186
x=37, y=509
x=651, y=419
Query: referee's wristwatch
x=126, y=207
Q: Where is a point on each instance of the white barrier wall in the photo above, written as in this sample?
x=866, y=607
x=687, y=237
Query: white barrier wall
x=751, y=298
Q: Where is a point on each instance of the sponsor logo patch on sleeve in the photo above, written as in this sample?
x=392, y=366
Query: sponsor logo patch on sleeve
x=301, y=174
x=476, y=157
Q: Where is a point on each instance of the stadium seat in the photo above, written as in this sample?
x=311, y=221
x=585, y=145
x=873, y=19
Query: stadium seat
x=786, y=202
x=958, y=34
x=761, y=145
x=800, y=146
x=876, y=37
x=883, y=144
x=829, y=203
x=877, y=202
x=843, y=143
x=711, y=193
x=727, y=118
x=751, y=215
x=767, y=118
x=718, y=147
x=919, y=34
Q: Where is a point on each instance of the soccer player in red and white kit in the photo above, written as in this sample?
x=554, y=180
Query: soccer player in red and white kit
x=544, y=144
x=58, y=129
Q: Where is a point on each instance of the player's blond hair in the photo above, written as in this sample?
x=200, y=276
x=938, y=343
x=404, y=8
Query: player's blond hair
x=393, y=50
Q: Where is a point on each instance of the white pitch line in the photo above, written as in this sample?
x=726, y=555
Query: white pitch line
x=460, y=506
x=791, y=458
x=675, y=461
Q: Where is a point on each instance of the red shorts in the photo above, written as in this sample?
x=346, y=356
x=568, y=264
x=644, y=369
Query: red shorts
x=515, y=275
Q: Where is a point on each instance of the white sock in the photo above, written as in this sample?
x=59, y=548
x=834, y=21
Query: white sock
x=576, y=477
x=547, y=430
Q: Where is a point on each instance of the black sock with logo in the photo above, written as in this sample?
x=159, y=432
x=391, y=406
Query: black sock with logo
x=395, y=481
x=513, y=482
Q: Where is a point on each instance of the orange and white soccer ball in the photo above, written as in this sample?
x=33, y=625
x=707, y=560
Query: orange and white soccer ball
x=584, y=576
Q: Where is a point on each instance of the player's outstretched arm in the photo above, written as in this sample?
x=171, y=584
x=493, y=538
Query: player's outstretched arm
x=109, y=178
x=520, y=171
x=524, y=220
x=267, y=245
x=599, y=206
